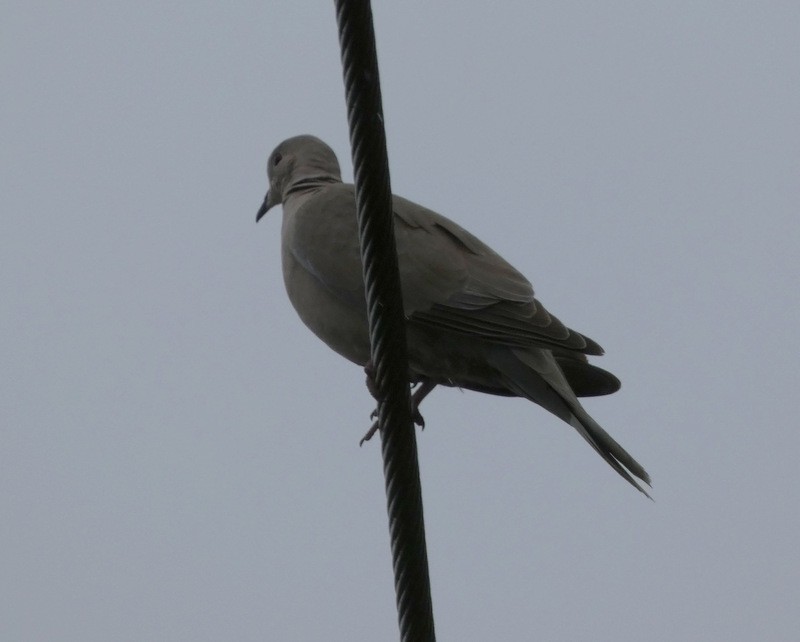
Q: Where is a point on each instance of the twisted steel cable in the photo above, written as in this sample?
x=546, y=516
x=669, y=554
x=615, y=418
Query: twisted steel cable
x=386, y=319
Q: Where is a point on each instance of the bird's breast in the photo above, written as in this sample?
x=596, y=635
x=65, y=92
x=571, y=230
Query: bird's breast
x=337, y=316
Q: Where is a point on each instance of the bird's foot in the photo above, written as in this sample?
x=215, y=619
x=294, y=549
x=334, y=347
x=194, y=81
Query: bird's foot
x=416, y=417
x=416, y=399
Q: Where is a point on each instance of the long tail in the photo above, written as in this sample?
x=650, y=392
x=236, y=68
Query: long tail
x=535, y=375
x=608, y=448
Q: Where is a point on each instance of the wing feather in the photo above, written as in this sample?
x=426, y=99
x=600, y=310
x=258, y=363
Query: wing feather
x=452, y=280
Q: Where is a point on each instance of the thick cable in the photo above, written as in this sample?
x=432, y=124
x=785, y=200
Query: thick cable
x=386, y=320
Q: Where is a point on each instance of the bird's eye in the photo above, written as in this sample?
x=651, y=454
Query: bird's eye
x=276, y=159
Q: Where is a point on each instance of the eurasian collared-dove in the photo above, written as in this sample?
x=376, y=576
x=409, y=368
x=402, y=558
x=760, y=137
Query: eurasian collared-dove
x=472, y=319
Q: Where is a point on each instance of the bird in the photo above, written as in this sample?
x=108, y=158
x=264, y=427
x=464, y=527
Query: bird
x=472, y=320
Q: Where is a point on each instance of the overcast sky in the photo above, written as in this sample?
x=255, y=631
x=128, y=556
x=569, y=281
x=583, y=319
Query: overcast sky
x=179, y=455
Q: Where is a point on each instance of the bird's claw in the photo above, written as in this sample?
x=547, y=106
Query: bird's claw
x=369, y=434
x=416, y=399
x=416, y=417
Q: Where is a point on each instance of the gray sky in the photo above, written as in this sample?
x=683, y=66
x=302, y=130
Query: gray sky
x=180, y=456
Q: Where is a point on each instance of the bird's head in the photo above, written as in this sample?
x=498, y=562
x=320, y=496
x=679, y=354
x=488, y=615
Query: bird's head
x=298, y=162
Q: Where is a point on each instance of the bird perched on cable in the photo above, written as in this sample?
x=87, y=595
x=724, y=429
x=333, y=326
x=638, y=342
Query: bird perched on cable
x=471, y=319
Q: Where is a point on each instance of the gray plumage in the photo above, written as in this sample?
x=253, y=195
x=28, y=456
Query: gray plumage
x=472, y=319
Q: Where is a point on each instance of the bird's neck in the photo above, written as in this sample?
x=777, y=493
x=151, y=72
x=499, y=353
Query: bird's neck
x=310, y=182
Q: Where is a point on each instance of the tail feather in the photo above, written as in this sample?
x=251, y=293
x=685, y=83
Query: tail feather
x=614, y=454
x=536, y=375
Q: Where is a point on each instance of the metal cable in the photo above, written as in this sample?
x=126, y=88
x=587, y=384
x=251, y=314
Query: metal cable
x=386, y=319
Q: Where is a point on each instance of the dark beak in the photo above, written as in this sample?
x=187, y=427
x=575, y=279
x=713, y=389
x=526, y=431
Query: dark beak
x=265, y=206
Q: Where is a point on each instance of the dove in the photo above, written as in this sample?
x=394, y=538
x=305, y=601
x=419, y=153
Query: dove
x=472, y=320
